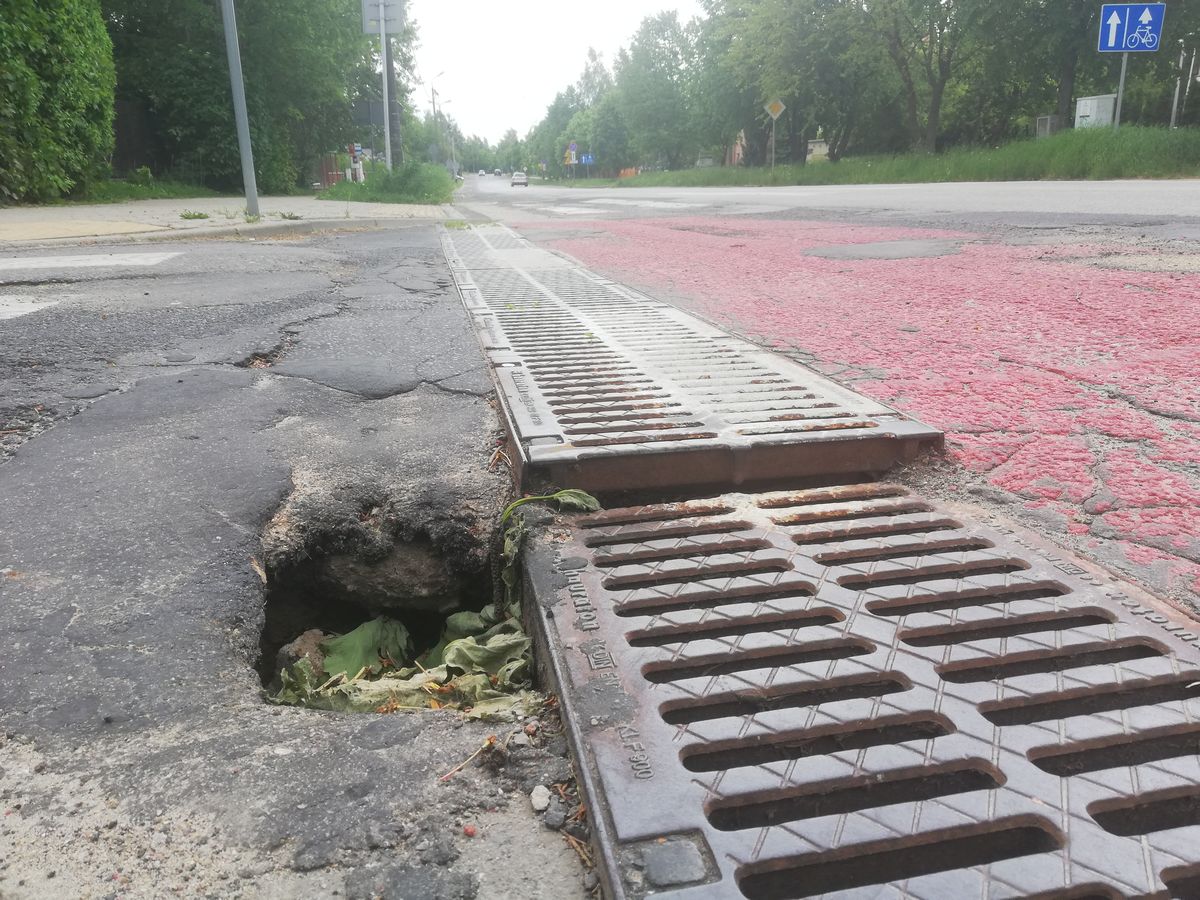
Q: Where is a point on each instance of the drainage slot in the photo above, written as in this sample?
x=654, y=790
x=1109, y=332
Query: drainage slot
x=863, y=511
x=658, y=513
x=710, y=599
x=818, y=496
x=784, y=745
x=719, y=626
x=937, y=602
x=1089, y=700
x=966, y=633
x=1121, y=750
x=1157, y=811
x=898, y=859
x=630, y=534
x=923, y=548
x=828, y=798
x=759, y=658
x=943, y=572
x=692, y=550
x=1038, y=661
x=1182, y=881
x=818, y=535
x=705, y=572
x=751, y=701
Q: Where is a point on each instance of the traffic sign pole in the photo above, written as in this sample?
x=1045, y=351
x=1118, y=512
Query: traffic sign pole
x=1121, y=91
x=229, y=20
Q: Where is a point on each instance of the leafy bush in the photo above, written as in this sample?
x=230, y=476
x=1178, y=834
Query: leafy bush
x=412, y=183
x=56, y=96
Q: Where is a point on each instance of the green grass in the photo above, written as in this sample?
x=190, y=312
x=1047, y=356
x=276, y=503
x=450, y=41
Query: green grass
x=116, y=191
x=1069, y=155
x=193, y=214
x=413, y=183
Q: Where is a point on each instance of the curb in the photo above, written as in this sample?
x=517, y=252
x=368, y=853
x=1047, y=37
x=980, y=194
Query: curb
x=248, y=231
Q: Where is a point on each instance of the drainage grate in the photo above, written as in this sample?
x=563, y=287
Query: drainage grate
x=852, y=692
x=606, y=389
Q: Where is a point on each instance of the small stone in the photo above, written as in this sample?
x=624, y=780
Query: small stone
x=520, y=739
x=674, y=863
x=590, y=880
x=422, y=846
x=556, y=815
x=540, y=798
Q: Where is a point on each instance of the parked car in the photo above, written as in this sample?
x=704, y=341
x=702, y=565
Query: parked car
x=520, y=178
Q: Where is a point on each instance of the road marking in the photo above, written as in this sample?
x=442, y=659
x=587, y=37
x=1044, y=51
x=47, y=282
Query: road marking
x=648, y=204
x=569, y=210
x=13, y=305
x=90, y=261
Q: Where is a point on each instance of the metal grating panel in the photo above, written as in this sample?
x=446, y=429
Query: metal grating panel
x=851, y=692
x=605, y=388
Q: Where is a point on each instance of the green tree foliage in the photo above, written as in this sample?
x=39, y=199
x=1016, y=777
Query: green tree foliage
x=56, y=96
x=866, y=76
x=304, y=62
x=651, y=78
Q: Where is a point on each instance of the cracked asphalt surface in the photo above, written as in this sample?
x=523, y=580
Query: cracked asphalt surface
x=154, y=421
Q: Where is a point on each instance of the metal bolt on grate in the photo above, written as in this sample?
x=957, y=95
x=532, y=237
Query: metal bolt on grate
x=853, y=692
x=604, y=388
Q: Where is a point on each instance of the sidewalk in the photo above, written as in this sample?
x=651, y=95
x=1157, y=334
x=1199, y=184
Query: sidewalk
x=226, y=215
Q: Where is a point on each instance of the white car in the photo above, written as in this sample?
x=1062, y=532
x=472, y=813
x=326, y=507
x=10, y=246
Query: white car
x=520, y=178
x=481, y=172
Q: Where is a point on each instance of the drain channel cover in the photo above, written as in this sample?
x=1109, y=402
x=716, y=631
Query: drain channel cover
x=851, y=692
x=594, y=376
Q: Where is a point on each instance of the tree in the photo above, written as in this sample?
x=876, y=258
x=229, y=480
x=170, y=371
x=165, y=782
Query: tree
x=304, y=62
x=929, y=41
x=595, y=81
x=56, y=96
x=650, y=76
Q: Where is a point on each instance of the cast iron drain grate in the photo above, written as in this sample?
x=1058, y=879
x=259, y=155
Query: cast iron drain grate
x=851, y=692
x=606, y=389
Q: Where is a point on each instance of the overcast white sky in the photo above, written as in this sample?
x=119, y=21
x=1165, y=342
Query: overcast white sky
x=504, y=62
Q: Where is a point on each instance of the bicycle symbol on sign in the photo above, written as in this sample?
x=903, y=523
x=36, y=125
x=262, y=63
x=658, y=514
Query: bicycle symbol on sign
x=1142, y=36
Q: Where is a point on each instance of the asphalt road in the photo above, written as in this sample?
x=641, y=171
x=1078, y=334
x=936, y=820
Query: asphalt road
x=173, y=416
x=1048, y=328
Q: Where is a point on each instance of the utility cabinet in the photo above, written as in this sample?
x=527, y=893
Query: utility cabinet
x=1095, y=112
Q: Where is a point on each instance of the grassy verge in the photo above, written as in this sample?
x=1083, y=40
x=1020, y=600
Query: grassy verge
x=1070, y=155
x=120, y=191
x=414, y=183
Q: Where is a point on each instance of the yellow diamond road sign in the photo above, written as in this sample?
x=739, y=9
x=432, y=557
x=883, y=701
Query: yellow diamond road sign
x=775, y=108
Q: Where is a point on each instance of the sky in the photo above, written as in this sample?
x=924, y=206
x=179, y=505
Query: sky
x=501, y=64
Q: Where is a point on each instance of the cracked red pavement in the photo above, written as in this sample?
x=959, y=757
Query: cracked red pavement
x=1074, y=389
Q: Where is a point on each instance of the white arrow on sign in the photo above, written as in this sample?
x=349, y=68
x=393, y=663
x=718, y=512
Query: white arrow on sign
x=1147, y=17
x=1114, y=22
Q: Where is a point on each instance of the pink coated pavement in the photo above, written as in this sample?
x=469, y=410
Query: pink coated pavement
x=1074, y=389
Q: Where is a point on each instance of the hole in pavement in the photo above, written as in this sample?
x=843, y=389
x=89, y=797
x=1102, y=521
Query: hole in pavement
x=315, y=598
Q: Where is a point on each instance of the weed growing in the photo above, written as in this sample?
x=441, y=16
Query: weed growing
x=413, y=183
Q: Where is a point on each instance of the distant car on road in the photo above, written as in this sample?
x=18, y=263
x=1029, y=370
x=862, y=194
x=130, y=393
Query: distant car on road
x=482, y=172
x=520, y=178
x=498, y=173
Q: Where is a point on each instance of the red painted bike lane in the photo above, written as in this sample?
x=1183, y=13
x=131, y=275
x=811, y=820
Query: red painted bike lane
x=1071, y=387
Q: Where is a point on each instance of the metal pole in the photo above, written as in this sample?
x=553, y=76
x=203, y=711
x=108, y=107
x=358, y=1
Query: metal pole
x=1187, y=92
x=1178, y=85
x=229, y=21
x=1121, y=91
x=387, y=109
x=772, y=143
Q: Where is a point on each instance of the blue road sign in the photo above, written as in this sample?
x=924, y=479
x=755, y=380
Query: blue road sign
x=587, y=159
x=1131, y=27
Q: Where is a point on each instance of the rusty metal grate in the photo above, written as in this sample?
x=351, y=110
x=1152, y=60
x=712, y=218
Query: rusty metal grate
x=605, y=388
x=853, y=692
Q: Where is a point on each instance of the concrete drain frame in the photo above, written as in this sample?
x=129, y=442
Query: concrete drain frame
x=850, y=692
x=606, y=389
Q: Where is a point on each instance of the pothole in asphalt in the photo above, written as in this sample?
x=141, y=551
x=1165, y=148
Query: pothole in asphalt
x=315, y=599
